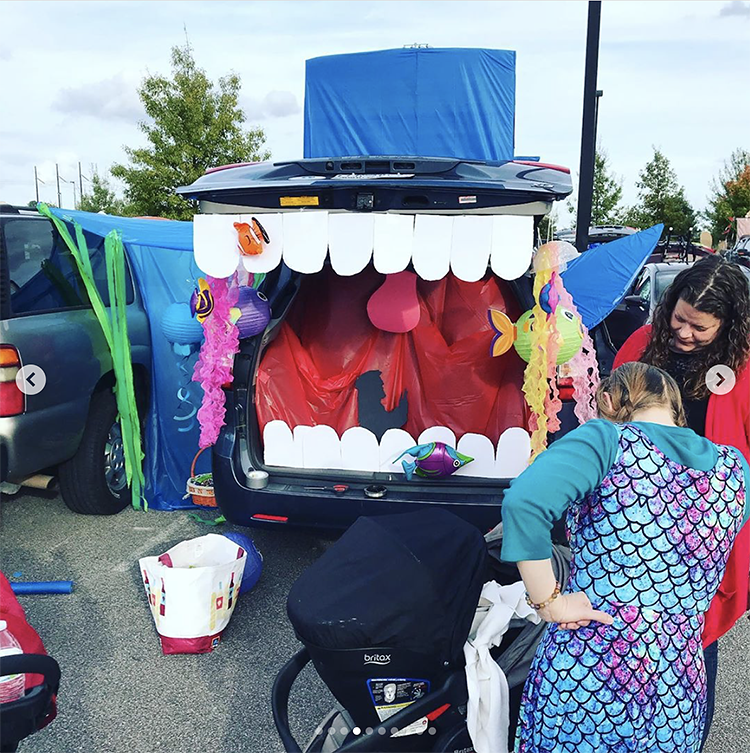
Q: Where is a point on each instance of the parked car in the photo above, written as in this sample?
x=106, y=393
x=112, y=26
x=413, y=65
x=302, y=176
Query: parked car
x=598, y=234
x=332, y=498
x=740, y=252
x=70, y=427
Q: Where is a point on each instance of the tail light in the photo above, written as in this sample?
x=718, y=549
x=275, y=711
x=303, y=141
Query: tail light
x=12, y=400
x=565, y=382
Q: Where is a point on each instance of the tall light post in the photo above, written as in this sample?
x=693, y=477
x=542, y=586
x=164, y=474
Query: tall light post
x=588, y=128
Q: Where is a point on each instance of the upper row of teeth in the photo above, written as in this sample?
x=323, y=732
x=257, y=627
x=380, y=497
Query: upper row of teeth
x=434, y=244
x=358, y=449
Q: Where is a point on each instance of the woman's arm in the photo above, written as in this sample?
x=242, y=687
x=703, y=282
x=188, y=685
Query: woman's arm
x=569, y=469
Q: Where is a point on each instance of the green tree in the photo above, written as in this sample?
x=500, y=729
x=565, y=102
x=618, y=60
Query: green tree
x=193, y=126
x=730, y=196
x=661, y=199
x=102, y=198
x=606, y=196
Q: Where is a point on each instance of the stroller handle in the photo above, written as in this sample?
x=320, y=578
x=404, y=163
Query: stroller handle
x=451, y=692
x=33, y=664
x=282, y=685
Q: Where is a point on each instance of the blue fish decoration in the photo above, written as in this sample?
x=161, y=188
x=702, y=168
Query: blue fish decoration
x=432, y=460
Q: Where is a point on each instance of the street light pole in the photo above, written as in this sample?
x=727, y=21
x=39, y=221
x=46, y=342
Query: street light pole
x=57, y=175
x=36, y=184
x=588, y=129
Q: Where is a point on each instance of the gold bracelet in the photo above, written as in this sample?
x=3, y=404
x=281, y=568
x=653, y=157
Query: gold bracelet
x=546, y=603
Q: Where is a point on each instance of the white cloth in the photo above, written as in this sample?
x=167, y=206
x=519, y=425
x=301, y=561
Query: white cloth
x=488, y=715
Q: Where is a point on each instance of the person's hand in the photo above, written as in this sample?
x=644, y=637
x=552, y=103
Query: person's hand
x=571, y=611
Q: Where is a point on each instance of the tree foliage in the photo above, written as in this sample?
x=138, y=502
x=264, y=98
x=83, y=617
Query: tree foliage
x=605, y=201
x=661, y=199
x=193, y=125
x=730, y=196
x=102, y=198
x=606, y=196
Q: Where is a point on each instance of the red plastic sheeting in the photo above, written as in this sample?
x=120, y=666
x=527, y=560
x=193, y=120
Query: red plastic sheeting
x=307, y=375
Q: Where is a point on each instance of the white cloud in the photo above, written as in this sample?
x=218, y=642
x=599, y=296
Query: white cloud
x=736, y=8
x=114, y=98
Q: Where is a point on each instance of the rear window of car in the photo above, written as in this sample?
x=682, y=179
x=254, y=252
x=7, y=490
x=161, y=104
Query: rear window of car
x=663, y=280
x=43, y=275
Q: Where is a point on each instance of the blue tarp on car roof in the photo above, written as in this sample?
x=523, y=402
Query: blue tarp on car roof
x=420, y=102
x=161, y=255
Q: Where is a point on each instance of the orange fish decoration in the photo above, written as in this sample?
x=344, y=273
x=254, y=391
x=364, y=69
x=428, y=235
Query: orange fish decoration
x=251, y=237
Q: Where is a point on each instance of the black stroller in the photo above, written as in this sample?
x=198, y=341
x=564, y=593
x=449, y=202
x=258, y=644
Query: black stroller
x=384, y=615
x=24, y=716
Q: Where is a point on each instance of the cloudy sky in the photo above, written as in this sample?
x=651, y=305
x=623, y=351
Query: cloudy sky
x=675, y=75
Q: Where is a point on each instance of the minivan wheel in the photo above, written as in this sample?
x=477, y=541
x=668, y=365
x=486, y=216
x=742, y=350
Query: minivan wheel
x=93, y=481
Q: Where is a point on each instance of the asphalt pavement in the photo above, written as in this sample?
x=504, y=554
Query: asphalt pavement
x=119, y=694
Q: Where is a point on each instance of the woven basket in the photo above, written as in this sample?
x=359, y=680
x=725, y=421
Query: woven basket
x=201, y=487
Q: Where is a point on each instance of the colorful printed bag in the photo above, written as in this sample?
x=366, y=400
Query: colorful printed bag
x=192, y=590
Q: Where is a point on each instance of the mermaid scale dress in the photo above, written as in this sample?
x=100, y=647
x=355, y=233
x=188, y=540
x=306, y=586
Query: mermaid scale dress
x=649, y=545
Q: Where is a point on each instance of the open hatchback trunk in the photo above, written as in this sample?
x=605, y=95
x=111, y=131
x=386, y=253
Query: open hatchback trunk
x=379, y=273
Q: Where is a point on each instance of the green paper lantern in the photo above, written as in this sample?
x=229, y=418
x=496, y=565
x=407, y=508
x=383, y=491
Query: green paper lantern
x=568, y=325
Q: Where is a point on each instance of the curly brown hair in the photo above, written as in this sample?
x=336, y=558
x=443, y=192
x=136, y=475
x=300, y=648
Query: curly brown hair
x=712, y=286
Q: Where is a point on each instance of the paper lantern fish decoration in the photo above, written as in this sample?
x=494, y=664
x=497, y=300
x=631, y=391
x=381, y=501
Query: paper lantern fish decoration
x=432, y=460
x=508, y=335
x=202, y=301
x=251, y=313
x=251, y=237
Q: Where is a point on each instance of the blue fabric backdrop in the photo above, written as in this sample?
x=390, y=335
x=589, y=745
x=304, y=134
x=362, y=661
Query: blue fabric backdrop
x=419, y=102
x=161, y=256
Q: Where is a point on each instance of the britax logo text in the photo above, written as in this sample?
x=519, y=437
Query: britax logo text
x=377, y=659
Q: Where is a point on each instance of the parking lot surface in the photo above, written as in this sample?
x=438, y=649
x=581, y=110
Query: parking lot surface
x=119, y=694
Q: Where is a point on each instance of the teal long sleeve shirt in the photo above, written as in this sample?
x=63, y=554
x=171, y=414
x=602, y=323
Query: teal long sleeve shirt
x=575, y=465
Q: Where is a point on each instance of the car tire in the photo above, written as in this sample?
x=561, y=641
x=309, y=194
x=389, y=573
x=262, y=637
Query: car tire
x=83, y=478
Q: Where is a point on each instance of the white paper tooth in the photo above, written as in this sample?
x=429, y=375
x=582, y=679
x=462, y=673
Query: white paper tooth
x=321, y=447
x=480, y=448
x=438, y=434
x=279, y=447
x=270, y=258
x=512, y=245
x=350, y=240
x=470, y=247
x=215, y=244
x=360, y=450
x=393, y=242
x=513, y=452
x=392, y=444
x=431, y=254
x=305, y=240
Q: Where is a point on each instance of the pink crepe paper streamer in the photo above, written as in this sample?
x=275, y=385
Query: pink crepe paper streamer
x=584, y=368
x=214, y=366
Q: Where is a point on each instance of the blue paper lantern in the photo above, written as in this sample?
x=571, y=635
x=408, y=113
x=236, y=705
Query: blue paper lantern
x=179, y=326
x=254, y=562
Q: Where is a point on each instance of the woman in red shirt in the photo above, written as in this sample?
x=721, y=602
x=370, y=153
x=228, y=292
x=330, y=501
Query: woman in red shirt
x=703, y=321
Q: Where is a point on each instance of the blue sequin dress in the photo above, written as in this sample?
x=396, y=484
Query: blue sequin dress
x=649, y=545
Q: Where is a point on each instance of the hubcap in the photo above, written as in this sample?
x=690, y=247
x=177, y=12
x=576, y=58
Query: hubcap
x=114, y=461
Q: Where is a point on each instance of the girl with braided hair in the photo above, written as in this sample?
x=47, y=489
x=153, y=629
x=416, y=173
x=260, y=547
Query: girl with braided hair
x=652, y=512
x=702, y=321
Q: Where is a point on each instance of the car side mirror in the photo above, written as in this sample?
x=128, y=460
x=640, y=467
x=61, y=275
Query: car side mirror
x=635, y=300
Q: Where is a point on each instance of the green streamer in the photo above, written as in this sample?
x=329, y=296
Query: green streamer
x=115, y=328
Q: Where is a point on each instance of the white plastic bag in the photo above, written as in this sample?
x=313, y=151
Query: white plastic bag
x=192, y=590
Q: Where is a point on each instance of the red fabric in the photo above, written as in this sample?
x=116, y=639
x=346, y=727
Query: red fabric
x=12, y=612
x=201, y=645
x=727, y=423
x=307, y=375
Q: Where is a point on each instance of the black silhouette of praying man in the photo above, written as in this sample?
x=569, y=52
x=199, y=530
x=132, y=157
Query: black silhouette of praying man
x=372, y=414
